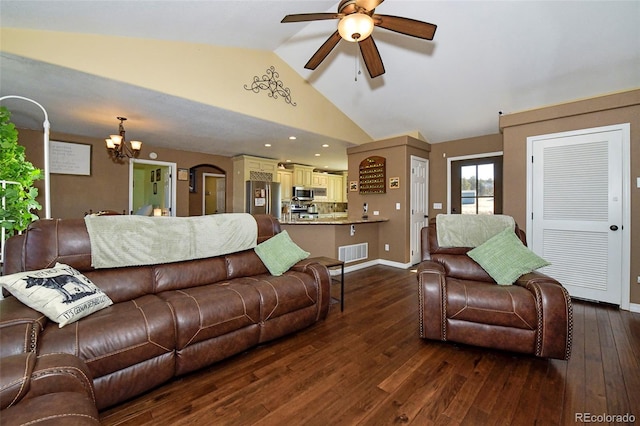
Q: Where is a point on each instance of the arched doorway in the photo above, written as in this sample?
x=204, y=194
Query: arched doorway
x=207, y=190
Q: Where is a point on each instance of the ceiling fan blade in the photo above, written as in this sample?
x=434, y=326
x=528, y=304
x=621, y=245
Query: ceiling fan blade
x=407, y=26
x=368, y=5
x=302, y=17
x=324, y=50
x=371, y=57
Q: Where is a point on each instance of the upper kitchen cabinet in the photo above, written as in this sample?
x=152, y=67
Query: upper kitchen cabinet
x=302, y=175
x=285, y=177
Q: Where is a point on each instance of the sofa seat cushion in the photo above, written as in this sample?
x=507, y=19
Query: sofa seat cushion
x=489, y=303
x=117, y=337
x=206, y=312
x=284, y=294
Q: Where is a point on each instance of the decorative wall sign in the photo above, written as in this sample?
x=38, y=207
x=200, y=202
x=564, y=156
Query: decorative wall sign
x=272, y=85
x=69, y=158
x=183, y=174
x=373, y=175
x=394, y=183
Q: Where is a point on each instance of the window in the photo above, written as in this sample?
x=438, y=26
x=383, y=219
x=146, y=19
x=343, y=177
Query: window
x=476, y=186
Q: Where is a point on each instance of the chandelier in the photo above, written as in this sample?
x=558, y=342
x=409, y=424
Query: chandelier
x=117, y=144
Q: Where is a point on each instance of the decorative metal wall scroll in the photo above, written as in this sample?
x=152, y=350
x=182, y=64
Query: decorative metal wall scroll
x=274, y=87
x=372, y=175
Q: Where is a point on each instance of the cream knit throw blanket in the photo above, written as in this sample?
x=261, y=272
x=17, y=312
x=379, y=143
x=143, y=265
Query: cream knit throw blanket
x=118, y=241
x=470, y=230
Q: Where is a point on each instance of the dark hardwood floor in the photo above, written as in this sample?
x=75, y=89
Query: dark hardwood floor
x=368, y=366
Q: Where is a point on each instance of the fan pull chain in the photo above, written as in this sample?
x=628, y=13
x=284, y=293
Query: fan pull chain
x=358, y=71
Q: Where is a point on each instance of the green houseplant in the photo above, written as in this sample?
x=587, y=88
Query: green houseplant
x=19, y=196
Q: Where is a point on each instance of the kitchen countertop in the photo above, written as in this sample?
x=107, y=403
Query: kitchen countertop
x=332, y=221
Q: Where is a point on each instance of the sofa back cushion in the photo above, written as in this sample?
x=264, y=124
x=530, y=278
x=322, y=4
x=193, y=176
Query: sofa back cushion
x=122, y=284
x=192, y=273
x=244, y=264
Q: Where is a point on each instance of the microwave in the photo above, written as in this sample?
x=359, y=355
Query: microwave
x=302, y=193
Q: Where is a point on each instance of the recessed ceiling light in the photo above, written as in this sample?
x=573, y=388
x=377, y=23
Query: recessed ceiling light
x=267, y=145
x=317, y=155
x=325, y=145
x=287, y=161
x=293, y=138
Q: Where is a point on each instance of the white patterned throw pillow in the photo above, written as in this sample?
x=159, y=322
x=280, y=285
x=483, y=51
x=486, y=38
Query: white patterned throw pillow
x=62, y=293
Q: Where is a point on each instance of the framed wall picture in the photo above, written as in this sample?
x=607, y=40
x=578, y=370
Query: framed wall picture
x=394, y=183
x=183, y=174
x=68, y=158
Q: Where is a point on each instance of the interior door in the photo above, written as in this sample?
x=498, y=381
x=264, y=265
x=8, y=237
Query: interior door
x=577, y=210
x=419, y=203
x=152, y=183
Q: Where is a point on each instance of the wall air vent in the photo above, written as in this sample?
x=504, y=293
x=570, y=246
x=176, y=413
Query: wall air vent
x=353, y=252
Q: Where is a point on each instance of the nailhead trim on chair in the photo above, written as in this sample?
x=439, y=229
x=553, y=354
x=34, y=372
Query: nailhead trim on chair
x=443, y=290
x=539, y=330
x=569, y=344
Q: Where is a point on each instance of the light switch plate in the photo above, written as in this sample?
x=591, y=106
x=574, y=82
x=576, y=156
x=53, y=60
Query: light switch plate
x=398, y=205
x=376, y=213
x=437, y=206
x=638, y=182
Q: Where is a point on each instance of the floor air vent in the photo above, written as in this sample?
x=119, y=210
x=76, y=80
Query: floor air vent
x=353, y=252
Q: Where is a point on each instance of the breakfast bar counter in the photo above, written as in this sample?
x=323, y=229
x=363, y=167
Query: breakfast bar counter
x=332, y=221
x=323, y=237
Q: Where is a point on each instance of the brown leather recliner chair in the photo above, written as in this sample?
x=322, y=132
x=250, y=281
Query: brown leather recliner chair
x=460, y=302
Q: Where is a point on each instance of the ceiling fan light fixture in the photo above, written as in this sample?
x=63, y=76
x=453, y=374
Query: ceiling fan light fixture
x=355, y=27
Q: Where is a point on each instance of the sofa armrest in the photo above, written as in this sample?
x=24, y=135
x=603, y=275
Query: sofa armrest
x=15, y=374
x=323, y=278
x=555, y=315
x=58, y=372
x=432, y=300
x=20, y=327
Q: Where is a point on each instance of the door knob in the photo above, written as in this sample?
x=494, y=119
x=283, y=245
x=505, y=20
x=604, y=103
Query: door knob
x=613, y=227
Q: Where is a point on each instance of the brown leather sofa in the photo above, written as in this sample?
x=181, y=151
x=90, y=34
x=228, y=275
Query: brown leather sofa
x=460, y=302
x=166, y=319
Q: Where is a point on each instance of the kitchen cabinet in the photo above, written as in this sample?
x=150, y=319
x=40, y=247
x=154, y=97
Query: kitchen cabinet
x=302, y=176
x=285, y=177
x=320, y=180
x=335, y=189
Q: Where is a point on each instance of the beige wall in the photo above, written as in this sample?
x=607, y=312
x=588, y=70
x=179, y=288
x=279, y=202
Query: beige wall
x=441, y=152
x=602, y=111
x=108, y=186
x=397, y=152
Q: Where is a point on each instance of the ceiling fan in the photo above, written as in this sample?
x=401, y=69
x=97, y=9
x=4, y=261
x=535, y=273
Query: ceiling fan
x=356, y=25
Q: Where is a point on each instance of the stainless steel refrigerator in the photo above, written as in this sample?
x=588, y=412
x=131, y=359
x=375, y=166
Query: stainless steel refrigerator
x=263, y=198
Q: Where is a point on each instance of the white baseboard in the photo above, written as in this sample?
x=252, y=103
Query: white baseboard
x=357, y=266
x=634, y=307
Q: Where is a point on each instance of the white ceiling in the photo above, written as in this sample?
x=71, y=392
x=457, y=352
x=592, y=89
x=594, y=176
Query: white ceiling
x=487, y=56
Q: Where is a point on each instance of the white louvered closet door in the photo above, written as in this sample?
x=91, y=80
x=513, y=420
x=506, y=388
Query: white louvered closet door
x=577, y=211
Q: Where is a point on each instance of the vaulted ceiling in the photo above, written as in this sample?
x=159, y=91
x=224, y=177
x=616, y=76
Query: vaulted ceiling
x=486, y=57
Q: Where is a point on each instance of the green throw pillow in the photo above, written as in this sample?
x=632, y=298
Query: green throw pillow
x=279, y=253
x=505, y=258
